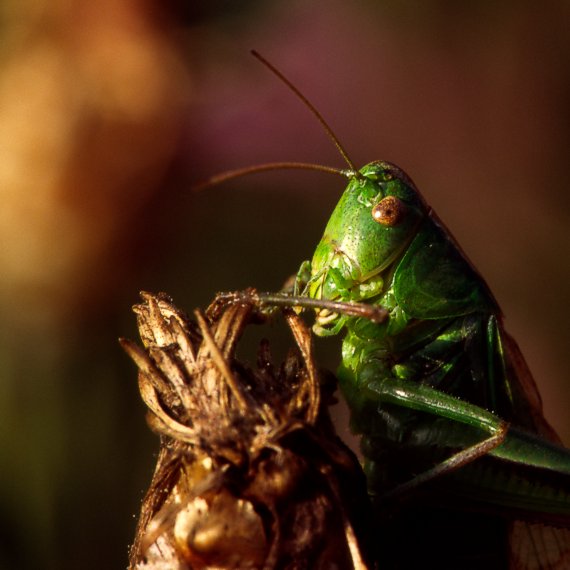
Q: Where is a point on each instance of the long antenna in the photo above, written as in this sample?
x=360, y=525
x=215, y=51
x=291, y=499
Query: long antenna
x=311, y=107
x=239, y=172
x=352, y=172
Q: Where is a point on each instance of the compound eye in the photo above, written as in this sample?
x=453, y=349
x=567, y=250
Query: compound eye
x=389, y=211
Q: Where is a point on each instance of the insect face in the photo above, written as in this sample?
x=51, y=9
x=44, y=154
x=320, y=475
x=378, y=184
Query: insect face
x=373, y=222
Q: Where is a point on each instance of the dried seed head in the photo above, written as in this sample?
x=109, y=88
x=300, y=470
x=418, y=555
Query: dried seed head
x=249, y=474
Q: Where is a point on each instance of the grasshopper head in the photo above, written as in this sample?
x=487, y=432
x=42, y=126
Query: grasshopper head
x=374, y=221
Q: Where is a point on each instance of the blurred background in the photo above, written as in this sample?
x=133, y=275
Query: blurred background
x=110, y=111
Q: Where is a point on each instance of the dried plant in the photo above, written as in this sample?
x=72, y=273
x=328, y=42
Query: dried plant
x=250, y=473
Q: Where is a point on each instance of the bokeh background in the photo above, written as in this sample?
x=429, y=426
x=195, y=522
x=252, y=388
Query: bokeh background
x=110, y=111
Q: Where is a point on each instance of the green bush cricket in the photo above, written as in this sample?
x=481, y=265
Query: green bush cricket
x=450, y=415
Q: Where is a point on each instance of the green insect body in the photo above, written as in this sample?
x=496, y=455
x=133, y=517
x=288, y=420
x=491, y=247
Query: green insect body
x=440, y=374
x=463, y=469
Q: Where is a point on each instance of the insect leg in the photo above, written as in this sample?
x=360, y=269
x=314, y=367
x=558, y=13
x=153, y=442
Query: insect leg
x=454, y=462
